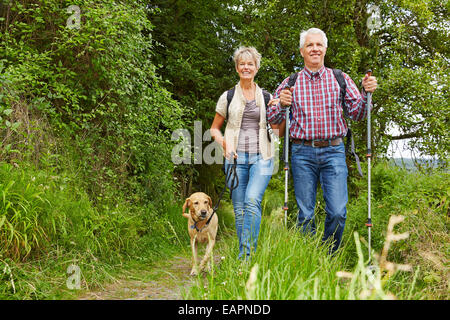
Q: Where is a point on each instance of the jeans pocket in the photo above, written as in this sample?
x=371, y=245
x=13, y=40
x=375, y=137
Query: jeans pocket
x=296, y=148
x=339, y=148
x=265, y=167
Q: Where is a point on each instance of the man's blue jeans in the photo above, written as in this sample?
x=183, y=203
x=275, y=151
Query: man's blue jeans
x=254, y=175
x=326, y=165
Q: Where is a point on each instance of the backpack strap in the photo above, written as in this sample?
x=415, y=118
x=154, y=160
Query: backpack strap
x=266, y=103
x=230, y=94
x=352, y=149
x=292, y=79
x=343, y=88
x=266, y=97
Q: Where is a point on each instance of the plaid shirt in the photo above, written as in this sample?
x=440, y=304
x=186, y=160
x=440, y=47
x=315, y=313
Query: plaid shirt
x=316, y=110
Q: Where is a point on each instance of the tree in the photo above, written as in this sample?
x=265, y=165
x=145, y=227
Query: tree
x=413, y=59
x=408, y=52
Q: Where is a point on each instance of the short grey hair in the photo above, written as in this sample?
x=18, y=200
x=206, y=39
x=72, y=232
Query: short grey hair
x=249, y=52
x=313, y=31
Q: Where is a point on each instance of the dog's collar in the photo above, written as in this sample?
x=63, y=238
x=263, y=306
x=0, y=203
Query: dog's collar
x=194, y=226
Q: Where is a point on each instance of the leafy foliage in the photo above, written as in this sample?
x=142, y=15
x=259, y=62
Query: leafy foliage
x=85, y=127
x=96, y=85
x=408, y=53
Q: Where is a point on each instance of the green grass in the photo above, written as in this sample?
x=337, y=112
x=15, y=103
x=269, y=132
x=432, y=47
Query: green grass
x=290, y=265
x=48, y=222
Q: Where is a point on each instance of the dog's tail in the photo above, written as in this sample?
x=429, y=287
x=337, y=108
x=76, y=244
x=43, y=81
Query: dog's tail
x=186, y=204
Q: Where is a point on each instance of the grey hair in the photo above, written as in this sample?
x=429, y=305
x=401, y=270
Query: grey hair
x=313, y=31
x=250, y=52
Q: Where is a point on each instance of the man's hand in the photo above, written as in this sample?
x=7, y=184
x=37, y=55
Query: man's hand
x=369, y=83
x=286, y=97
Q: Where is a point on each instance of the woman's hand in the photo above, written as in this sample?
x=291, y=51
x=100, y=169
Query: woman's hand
x=273, y=102
x=226, y=153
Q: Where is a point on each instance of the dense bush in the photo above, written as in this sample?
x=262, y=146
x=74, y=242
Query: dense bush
x=96, y=87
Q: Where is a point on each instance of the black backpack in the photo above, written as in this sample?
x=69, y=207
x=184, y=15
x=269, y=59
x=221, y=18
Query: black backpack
x=230, y=94
x=343, y=88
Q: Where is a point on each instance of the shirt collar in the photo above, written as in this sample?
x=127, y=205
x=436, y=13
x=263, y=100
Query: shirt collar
x=310, y=74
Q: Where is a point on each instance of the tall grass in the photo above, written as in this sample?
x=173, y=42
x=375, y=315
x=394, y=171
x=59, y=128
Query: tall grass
x=40, y=211
x=423, y=199
x=48, y=222
x=290, y=265
x=21, y=211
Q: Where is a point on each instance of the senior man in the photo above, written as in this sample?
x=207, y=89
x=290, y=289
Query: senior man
x=316, y=132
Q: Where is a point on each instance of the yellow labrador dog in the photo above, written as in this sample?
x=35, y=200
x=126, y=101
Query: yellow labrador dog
x=202, y=227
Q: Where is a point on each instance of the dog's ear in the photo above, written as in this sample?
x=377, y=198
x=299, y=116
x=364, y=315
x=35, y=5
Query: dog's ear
x=210, y=201
x=187, y=203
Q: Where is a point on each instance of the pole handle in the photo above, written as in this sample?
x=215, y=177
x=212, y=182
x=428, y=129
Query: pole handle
x=369, y=102
x=286, y=86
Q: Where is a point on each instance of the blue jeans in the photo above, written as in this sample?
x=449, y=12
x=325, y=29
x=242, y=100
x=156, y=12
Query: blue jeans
x=254, y=175
x=325, y=165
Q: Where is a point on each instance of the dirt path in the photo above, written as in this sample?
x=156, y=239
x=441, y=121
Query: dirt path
x=165, y=281
x=168, y=279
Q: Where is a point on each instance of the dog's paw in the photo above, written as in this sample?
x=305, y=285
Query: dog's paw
x=194, y=272
x=206, y=268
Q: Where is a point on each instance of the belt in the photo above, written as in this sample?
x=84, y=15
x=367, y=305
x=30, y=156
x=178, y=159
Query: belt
x=318, y=143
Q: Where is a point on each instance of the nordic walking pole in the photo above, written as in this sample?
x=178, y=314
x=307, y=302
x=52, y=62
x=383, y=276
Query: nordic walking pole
x=286, y=163
x=369, y=156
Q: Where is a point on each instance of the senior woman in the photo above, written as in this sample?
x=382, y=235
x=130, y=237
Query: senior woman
x=247, y=141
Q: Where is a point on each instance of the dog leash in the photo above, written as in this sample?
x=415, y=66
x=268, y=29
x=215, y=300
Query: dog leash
x=230, y=176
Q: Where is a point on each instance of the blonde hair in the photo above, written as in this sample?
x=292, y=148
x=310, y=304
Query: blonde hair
x=249, y=52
